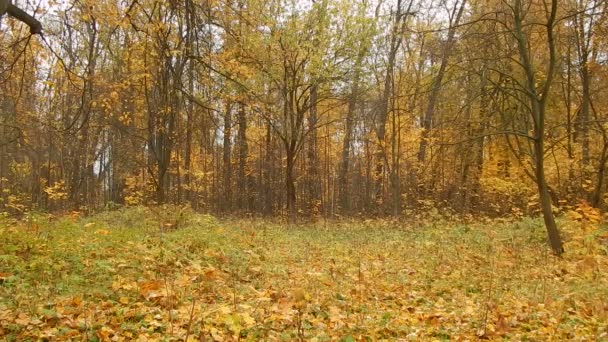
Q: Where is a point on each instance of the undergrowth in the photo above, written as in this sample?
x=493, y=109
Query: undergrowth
x=146, y=273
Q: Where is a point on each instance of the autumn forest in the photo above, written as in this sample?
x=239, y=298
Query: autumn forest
x=426, y=111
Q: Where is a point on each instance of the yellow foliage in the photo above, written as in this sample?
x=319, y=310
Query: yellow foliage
x=133, y=193
x=56, y=191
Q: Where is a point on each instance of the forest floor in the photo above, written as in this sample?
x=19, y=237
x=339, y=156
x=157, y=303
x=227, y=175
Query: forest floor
x=127, y=275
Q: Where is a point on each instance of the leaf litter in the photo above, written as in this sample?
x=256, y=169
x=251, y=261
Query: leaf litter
x=98, y=280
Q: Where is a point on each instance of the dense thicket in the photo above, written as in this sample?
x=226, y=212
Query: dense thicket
x=342, y=107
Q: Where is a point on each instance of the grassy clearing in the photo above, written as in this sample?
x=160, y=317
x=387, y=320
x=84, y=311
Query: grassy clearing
x=119, y=276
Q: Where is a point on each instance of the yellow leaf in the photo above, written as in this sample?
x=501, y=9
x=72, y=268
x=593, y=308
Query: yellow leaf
x=334, y=314
x=22, y=319
x=225, y=309
x=247, y=319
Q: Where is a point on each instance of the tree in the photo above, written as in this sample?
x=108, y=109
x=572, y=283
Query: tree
x=399, y=16
x=584, y=24
x=292, y=74
x=318, y=108
x=537, y=92
x=446, y=50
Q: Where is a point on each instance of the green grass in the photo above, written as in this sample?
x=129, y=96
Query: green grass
x=120, y=274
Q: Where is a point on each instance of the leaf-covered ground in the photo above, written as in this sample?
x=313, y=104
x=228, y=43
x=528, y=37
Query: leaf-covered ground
x=125, y=275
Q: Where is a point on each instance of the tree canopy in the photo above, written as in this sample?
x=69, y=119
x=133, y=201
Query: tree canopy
x=308, y=108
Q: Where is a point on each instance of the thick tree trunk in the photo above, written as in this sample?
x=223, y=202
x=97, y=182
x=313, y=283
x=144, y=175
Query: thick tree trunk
x=555, y=239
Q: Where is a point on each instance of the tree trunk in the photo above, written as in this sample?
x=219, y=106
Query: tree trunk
x=290, y=185
x=596, y=198
x=383, y=111
x=429, y=113
x=343, y=173
x=474, y=160
x=243, y=147
x=584, y=120
x=538, y=103
x=583, y=41
x=190, y=108
x=567, y=91
x=555, y=239
x=227, y=159
x=267, y=173
x=395, y=180
x=314, y=179
x=343, y=186
x=188, y=154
